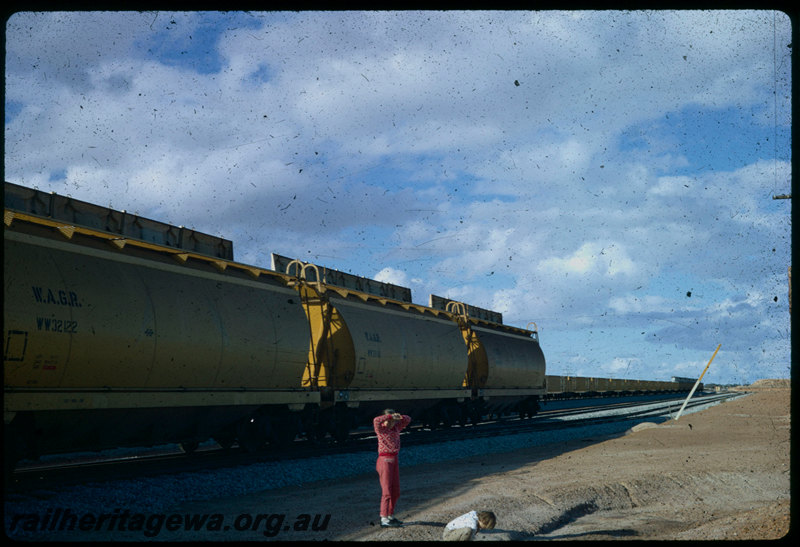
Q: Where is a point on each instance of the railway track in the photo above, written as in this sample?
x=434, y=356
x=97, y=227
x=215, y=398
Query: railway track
x=565, y=418
x=147, y=464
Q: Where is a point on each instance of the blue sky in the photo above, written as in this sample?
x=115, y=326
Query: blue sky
x=608, y=175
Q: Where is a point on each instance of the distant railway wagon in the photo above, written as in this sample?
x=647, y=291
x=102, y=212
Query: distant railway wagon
x=125, y=331
x=571, y=386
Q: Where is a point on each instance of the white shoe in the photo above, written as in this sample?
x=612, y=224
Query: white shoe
x=389, y=522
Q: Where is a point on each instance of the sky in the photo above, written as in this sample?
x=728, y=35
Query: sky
x=607, y=175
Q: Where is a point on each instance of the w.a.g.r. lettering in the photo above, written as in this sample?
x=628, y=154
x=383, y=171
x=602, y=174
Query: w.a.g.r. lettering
x=57, y=297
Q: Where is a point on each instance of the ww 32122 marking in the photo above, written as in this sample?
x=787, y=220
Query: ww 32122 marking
x=51, y=324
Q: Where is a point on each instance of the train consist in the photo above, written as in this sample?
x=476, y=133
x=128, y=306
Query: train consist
x=120, y=330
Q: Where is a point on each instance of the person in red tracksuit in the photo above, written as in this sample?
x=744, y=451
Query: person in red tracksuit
x=388, y=427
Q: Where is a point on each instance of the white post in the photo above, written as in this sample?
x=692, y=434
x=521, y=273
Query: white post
x=697, y=383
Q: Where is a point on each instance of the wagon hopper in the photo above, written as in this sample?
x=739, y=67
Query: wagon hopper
x=113, y=340
x=440, y=364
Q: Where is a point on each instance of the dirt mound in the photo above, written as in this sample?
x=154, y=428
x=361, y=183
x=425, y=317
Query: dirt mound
x=774, y=383
x=719, y=474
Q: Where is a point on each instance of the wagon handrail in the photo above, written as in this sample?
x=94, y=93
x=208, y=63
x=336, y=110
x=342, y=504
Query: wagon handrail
x=300, y=268
x=301, y=274
x=458, y=308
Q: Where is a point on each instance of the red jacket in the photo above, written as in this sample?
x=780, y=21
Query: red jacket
x=389, y=437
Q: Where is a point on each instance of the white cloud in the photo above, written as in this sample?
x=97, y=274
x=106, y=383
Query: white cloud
x=592, y=258
x=633, y=304
x=393, y=276
x=673, y=186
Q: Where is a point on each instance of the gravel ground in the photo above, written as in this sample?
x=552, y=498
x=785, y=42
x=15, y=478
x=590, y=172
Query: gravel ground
x=718, y=474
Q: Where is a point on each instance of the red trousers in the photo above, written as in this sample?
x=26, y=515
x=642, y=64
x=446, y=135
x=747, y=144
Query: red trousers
x=388, y=468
